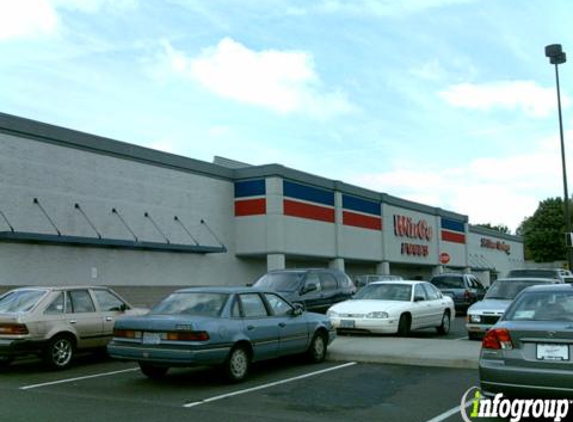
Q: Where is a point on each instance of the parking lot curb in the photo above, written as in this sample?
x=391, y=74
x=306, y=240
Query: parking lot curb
x=404, y=351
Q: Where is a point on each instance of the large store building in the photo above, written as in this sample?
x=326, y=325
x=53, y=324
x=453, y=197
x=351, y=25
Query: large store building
x=82, y=209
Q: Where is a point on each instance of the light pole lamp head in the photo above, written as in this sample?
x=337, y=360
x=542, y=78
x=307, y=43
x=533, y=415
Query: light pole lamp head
x=555, y=53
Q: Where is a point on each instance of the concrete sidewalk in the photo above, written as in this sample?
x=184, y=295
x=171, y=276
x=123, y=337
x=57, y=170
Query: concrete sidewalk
x=406, y=351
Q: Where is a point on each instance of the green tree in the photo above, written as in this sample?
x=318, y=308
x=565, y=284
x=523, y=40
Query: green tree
x=499, y=227
x=543, y=232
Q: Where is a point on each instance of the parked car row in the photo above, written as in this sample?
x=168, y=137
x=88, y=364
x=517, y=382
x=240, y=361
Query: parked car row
x=232, y=327
x=221, y=326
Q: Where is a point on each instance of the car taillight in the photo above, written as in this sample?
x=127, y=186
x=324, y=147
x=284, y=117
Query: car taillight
x=13, y=329
x=497, y=338
x=188, y=336
x=468, y=294
x=126, y=333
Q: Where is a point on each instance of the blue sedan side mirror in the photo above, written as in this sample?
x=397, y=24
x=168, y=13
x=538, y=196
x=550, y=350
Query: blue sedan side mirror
x=298, y=309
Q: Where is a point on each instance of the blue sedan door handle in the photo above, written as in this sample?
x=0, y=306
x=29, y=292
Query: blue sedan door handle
x=250, y=327
x=282, y=324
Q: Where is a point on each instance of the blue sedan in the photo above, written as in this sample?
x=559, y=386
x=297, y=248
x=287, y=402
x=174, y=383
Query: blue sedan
x=225, y=326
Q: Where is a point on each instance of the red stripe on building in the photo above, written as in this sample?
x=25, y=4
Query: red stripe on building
x=453, y=237
x=313, y=212
x=363, y=221
x=250, y=207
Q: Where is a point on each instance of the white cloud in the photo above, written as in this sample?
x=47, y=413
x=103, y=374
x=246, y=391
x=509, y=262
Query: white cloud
x=527, y=96
x=26, y=18
x=39, y=18
x=488, y=190
x=283, y=81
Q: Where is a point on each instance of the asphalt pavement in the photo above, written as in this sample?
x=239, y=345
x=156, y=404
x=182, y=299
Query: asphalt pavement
x=422, y=348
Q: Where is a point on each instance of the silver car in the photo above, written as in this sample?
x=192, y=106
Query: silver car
x=530, y=350
x=54, y=322
x=482, y=315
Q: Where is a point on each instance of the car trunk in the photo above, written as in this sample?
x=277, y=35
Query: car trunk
x=547, y=346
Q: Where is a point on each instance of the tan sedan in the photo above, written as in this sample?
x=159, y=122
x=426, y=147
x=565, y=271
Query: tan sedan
x=55, y=322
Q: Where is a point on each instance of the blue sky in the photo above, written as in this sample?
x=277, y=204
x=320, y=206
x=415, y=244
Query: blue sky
x=450, y=103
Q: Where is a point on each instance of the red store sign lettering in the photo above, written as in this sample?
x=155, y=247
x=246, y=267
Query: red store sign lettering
x=406, y=227
x=495, y=244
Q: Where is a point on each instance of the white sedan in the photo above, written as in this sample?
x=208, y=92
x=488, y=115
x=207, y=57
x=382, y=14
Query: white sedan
x=394, y=307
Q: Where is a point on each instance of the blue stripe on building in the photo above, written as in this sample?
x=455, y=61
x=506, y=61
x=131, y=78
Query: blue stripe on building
x=307, y=193
x=453, y=225
x=250, y=188
x=361, y=205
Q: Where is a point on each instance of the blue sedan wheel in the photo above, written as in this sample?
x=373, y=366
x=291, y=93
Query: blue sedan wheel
x=317, y=349
x=237, y=365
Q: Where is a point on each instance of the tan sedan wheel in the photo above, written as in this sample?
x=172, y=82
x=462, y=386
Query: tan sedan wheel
x=59, y=352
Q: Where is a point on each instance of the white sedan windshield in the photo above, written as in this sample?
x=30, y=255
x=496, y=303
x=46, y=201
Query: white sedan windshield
x=386, y=291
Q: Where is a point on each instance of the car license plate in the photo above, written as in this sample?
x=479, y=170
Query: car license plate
x=552, y=352
x=347, y=323
x=151, y=338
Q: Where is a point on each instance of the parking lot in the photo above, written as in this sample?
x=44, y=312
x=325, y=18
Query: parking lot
x=282, y=390
x=97, y=389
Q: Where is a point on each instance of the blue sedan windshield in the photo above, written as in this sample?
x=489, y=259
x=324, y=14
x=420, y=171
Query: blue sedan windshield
x=192, y=303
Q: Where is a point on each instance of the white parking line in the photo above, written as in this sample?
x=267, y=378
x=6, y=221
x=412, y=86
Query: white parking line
x=105, y=374
x=462, y=338
x=272, y=384
x=450, y=412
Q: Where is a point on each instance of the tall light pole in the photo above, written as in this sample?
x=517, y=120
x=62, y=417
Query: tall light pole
x=556, y=57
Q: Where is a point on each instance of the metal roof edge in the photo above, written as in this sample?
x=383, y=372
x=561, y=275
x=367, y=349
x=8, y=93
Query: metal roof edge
x=44, y=132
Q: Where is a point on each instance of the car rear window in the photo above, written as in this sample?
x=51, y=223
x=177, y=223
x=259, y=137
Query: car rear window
x=192, y=303
x=542, y=306
x=448, y=282
x=281, y=282
x=20, y=301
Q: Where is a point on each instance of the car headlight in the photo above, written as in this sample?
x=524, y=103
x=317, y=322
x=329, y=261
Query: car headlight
x=475, y=318
x=330, y=314
x=378, y=315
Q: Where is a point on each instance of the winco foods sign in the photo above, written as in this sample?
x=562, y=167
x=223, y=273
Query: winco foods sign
x=415, y=230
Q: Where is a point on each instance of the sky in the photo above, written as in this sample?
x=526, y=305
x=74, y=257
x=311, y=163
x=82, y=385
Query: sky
x=449, y=103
